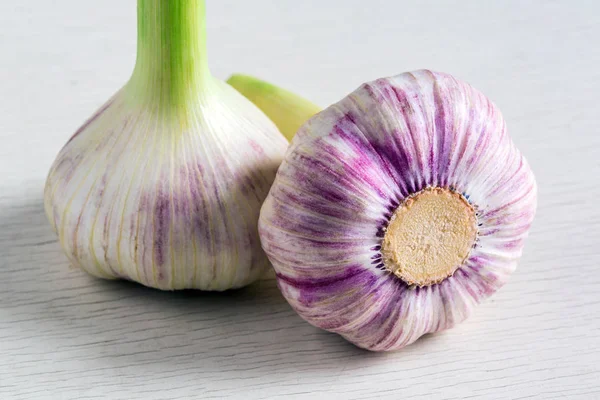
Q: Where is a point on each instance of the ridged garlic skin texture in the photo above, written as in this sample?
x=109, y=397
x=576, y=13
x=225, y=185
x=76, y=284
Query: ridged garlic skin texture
x=347, y=171
x=170, y=202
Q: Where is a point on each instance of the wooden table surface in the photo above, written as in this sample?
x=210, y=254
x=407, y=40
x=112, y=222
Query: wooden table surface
x=65, y=335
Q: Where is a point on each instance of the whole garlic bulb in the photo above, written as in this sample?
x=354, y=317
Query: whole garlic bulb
x=397, y=210
x=163, y=185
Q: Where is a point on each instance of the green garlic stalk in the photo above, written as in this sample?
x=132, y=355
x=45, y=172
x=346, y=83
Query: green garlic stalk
x=286, y=109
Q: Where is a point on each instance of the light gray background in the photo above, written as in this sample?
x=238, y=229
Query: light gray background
x=64, y=335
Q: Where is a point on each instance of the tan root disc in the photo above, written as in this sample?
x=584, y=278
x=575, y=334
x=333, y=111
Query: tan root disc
x=429, y=236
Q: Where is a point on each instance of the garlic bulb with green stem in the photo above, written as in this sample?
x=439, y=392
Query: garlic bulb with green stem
x=164, y=183
x=397, y=210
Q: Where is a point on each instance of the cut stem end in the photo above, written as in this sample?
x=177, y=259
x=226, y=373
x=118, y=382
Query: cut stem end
x=429, y=236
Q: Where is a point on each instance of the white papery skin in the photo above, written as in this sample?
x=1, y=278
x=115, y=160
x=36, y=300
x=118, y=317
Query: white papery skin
x=352, y=165
x=167, y=200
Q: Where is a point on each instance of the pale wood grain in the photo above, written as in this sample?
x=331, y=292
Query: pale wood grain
x=64, y=335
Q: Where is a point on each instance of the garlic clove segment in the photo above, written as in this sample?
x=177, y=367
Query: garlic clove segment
x=397, y=210
x=164, y=183
x=286, y=109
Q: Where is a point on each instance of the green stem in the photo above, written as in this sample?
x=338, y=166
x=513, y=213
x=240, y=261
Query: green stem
x=286, y=109
x=171, y=64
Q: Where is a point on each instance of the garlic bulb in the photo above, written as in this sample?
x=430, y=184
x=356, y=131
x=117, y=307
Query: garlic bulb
x=286, y=109
x=397, y=210
x=163, y=184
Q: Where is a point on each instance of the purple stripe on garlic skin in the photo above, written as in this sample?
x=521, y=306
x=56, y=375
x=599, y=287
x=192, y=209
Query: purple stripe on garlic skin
x=134, y=196
x=346, y=172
